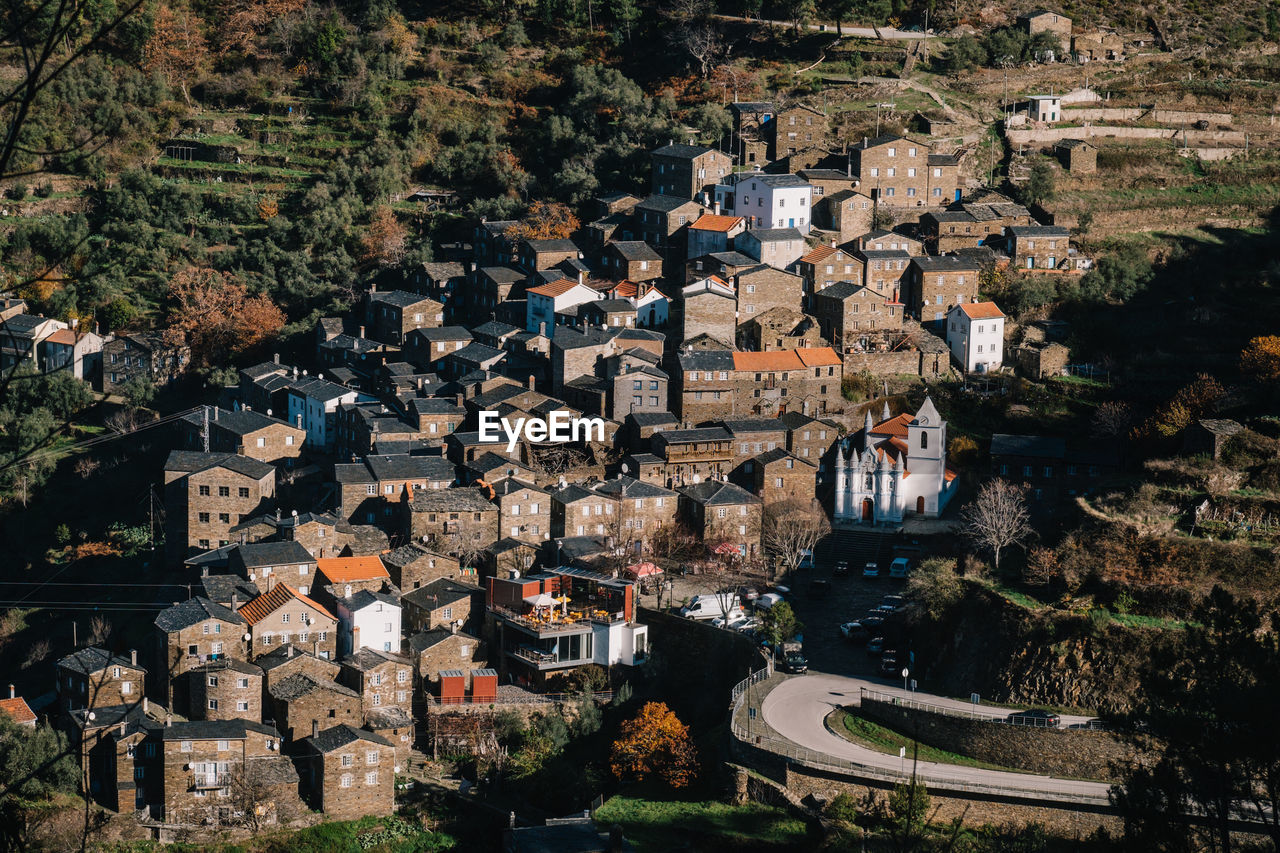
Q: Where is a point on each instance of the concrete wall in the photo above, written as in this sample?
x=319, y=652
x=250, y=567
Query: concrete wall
x=1060, y=752
x=1053, y=134
x=1134, y=113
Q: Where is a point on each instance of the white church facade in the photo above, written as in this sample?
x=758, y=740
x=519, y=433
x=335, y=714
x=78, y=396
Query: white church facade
x=893, y=469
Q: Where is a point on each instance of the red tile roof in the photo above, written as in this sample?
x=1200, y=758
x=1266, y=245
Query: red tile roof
x=716, y=222
x=626, y=289
x=981, y=310
x=348, y=569
x=820, y=253
x=896, y=426
x=281, y=594
x=555, y=288
x=63, y=336
x=817, y=356
x=18, y=711
x=795, y=359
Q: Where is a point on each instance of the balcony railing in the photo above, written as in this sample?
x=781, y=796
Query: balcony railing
x=204, y=781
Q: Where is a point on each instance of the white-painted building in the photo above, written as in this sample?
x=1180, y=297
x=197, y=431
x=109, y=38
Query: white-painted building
x=368, y=620
x=313, y=405
x=975, y=333
x=895, y=468
x=545, y=301
x=652, y=307
x=1047, y=108
x=768, y=201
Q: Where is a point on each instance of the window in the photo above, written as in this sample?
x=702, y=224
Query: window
x=186, y=746
x=126, y=687
x=875, y=173
x=204, y=491
x=204, y=518
x=1026, y=470
x=224, y=745
x=911, y=152
x=284, y=617
x=348, y=760
x=242, y=683
x=224, y=517
x=213, y=681
x=893, y=173
x=893, y=152
x=924, y=440
x=911, y=173
x=371, y=757
x=371, y=489
x=721, y=512
x=224, y=491
x=346, y=779
x=371, y=778
x=213, y=704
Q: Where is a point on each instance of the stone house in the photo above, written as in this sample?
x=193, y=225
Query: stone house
x=245, y=432
x=752, y=130
x=93, y=677
x=607, y=312
x=143, y=355
x=429, y=348
x=661, y=220
x=383, y=680
x=781, y=328
x=777, y=475
x=1038, y=247
x=524, y=510
x=901, y=172
x=687, y=171
x=226, y=689
x=299, y=702
x=269, y=563
x=1045, y=21
x=285, y=661
x=393, y=314
x=538, y=255
x=776, y=247
x=453, y=519
x=203, y=759
x=714, y=232
x=812, y=440
x=936, y=284
x=690, y=455
x=632, y=260
x=375, y=489
x=885, y=270
x=412, y=566
x=341, y=577
x=192, y=633
x=1208, y=436
x=492, y=244
x=763, y=288
x=797, y=128
x=880, y=241
x=847, y=312
x=442, y=603
x=350, y=772
x=824, y=266
x=284, y=616
x=641, y=509
x=1098, y=46
x=847, y=212
x=207, y=493
x=1078, y=156
x=722, y=513
x=440, y=650
x=709, y=307
x=727, y=385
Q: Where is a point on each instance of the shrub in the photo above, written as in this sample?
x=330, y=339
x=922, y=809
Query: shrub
x=17, y=191
x=843, y=808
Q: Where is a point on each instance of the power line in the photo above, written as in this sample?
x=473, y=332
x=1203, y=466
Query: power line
x=94, y=584
x=93, y=441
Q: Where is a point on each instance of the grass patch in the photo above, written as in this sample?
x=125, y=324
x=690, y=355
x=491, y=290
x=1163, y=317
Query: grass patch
x=661, y=825
x=1021, y=599
x=861, y=731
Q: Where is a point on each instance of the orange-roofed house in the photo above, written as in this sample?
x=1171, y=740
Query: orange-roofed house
x=546, y=300
x=348, y=574
x=17, y=709
x=975, y=333
x=894, y=469
x=284, y=616
x=720, y=385
x=76, y=349
x=714, y=232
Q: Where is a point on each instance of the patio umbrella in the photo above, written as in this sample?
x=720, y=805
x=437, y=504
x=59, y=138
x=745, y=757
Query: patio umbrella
x=540, y=600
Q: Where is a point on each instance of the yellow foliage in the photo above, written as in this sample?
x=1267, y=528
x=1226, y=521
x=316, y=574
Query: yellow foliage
x=655, y=743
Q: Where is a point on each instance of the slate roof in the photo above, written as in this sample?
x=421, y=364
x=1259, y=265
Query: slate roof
x=774, y=235
x=273, y=554
x=440, y=593
x=365, y=659
x=341, y=735
x=943, y=263
x=240, y=422
x=755, y=425
x=194, y=461
x=95, y=659
x=630, y=488
x=680, y=436
x=361, y=599
x=424, y=640
x=215, y=730
x=398, y=298
x=780, y=453
x=443, y=333
x=663, y=203
x=300, y=684
x=1046, y=447
x=786, y=180
x=716, y=493
x=675, y=149
x=193, y=611
x=461, y=499
x=635, y=250
x=222, y=587
x=706, y=360
x=653, y=418
x=283, y=654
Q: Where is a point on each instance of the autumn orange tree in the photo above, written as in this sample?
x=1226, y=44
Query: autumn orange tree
x=213, y=313
x=546, y=220
x=384, y=241
x=1261, y=358
x=246, y=20
x=176, y=49
x=655, y=743
x=1193, y=401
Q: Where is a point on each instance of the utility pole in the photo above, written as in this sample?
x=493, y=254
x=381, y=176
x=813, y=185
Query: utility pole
x=204, y=427
x=23, y=480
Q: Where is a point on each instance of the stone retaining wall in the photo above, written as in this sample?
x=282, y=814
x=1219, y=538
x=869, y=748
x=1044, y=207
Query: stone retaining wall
x=1059, y=752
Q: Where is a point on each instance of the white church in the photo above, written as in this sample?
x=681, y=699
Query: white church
x=895, y=468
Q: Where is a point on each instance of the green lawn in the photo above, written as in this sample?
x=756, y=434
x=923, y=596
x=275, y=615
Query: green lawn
x=661, y=825
x=853, y=728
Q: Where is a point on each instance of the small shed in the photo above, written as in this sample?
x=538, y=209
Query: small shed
x=453, y=687
x=484, y=685
x=1208, y=436
x=1078, y=156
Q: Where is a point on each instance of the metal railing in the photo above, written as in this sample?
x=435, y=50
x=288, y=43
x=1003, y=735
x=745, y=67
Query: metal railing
x=815, y=760
x=1010, y=718
x=521, y=699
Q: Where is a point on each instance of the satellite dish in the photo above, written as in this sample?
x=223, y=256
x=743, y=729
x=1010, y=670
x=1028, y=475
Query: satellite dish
x=294, y=513
x=626, y=469
x=248, y=637
x=697, y=479
x=92, y=716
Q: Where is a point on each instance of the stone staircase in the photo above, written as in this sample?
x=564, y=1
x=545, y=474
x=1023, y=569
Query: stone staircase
x=857, y=547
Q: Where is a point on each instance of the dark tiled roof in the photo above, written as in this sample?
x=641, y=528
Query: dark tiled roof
x=424, y=640
x=635, y=250
x=944, y=263
x=365, y=659
x=1028, y=445
x=631, y=488
x=341, y=735
x=755, y=425
x=240, y=422
x=680, y=436
x=462, y=499
x=216, y=730
x=94, y=659
x=399, y=298
x=222, y=587
x=300, y=684
x=193, y=611
x=284, y=553
x=707, y=360
x=663, y=203
x=675, y=149
x=716, y=493
x=440, y=592
x=193, y=461
x=775, y=235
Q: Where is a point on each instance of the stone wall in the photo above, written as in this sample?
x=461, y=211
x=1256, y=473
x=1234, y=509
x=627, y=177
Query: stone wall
x=1054, y=134
x=1059, y=752
x=695, y=664
x=913, y=362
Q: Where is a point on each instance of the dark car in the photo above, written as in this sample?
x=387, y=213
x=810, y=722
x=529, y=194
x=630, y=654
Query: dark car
x=841, y=570
x=896, y=601
x=889, y=663
x=872, y=621
x=795, y=663
x=875, y=646
x=819, y=588
x=1036, y=717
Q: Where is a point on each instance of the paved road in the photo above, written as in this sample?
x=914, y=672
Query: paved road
x=797, y=707
x=856, y=32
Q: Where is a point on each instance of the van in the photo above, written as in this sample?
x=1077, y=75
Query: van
x=898, y=568
x=711, y=606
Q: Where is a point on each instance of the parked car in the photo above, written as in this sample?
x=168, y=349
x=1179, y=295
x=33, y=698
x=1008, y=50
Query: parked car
x=746, y=593
x=711, y=606
x=841, y=569
x=781, y=590
x=764, y=602
x=871, y=570
x=747, y=626
x=875, y=645
x=872, y=621
x=889, y=663
x=898, y=601
x=851, y=630
x=734, y=623
x=1036, y=717
x=899, y=567
x=819, y=588
x=795, y=663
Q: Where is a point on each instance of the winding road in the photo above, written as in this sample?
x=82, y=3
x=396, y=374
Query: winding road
x=797, y=708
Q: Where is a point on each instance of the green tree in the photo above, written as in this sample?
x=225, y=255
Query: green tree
x=965, y=53
x=589, y=718
x=138, y=391
x=1209, y=697
x=1005, y=47
x=1039, y=187
x=935, y=587
x=780, y=624
x=1120, y=275
x=35, y=767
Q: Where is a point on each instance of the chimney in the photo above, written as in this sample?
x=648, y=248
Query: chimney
x=11, y=692
x=315, y=728
x=453, y=629
x=298, y=420
x=204, y=571
x=216, y=409
x=235, y=602
x=833, y=242
x=715, y=208
x=146, y=706
x=511, y=820
x=275, y=358
x=168, y=720
x=355, y=638
x=315, y=648
x=133, y=657
x=542, y=328
x=582, y=277
x=530, y=382
x=458, y=400
x=362, y=331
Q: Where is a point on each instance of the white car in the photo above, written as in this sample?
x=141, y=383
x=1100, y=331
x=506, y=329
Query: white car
x=871, y=570
x=898, y=568
x=767, y=600
x=735, y=623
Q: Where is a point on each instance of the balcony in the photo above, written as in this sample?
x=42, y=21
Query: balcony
x=206, y=781
x=577, y=621
x=544, y=660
